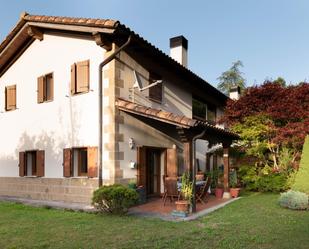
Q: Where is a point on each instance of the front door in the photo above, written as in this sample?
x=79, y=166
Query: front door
x=153, y=172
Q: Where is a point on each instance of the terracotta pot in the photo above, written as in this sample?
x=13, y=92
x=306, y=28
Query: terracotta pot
x=234, y=192
x=182, y=206
x=219, y=192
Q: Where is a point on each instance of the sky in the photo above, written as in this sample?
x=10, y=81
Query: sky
x=270, y=37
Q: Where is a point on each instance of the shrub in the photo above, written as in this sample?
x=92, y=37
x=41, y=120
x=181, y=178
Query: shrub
x=302, y=176
x=116, y=199
x=263, y=179
x=294, y=200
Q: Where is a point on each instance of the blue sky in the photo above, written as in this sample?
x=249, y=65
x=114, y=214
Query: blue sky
x=270, y=37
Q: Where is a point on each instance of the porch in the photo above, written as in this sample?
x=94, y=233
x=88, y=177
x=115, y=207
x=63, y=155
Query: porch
x=154, y=208
x=155, y=163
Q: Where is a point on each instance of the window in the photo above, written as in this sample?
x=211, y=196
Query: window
x=203, y=111
x=31, y=163
x=80, y=77
x=80, y=162
x=45, y=88
x=10, y=98
x=155, y=92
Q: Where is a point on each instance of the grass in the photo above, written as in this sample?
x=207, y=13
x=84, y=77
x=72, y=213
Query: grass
x=255, y=221
x=301, y=180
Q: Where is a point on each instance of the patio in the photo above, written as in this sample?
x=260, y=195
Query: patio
x=154, y=208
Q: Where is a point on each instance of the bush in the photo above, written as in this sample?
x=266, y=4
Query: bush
x=302, y=176
x=263, y=179
x=116, y=199
x=294, y=200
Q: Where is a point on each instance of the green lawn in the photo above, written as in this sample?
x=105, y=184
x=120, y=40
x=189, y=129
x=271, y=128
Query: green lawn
x=255, y=221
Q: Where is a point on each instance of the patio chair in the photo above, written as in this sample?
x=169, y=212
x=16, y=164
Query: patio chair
x=171, y=190
x=203, y=191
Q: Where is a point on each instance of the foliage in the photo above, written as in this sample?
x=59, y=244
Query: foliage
x=290, y=118
x=294, y=200
x=263, y=178
x=233, y=179
x=186, y=187
x=272, y=132
x=302, y=176
x=114, y=199
x=232, y=77
x=280, y=81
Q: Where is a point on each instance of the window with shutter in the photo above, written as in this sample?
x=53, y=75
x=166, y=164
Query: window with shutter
x=10, y=98
x=80, y=77
x=45, y=88
x=31, y=163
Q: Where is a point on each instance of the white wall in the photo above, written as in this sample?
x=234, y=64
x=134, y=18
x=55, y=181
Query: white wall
x=66, y=121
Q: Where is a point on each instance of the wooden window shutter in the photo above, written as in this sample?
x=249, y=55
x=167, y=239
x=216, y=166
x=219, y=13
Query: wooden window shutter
x=141, y=166
x=171, y=162
x=49, y=86
x=73, y=79
x=10, y=98
x=92, y=158
x=67, y=162
x=40, y=163
x=82, y=76
x=41, y=84
x=22, y=163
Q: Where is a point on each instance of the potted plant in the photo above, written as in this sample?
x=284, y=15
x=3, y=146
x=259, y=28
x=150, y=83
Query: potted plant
x=186, y=193
x=234, y=190
x=219, y=187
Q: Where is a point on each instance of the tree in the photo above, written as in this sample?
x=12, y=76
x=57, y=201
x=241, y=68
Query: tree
x=232, y=77
x=280, y=81
x=286, y=107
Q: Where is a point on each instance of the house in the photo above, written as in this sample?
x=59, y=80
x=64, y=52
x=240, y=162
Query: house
x=86, y=102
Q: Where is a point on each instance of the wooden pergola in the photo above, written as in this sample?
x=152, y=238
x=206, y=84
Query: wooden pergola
x=185, y=130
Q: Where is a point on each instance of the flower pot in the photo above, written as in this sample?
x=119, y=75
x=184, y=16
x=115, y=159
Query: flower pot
x=182, y=206
x=234, y=192
x=219, y=192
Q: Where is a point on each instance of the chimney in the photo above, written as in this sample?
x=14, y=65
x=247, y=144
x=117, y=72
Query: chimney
x=235, y=92
x=179, y=49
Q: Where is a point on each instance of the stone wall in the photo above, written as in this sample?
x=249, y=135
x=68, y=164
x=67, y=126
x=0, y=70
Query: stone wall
x=76, y=190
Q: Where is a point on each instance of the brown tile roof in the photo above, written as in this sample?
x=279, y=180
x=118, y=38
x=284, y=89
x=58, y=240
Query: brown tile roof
x=90, y=22
x=116, y=25
x=168, y=117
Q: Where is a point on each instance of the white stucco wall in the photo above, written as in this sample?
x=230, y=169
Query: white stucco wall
x=66, y=121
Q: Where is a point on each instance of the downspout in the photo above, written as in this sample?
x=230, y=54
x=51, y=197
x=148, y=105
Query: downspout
x=101, y=109
x=194, y=167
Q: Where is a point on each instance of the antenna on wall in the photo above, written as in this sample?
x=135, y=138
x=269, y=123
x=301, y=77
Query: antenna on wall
x=138, y=83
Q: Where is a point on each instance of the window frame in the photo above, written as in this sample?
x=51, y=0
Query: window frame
x=44, y=87
x=152, y=91
x=207, y=110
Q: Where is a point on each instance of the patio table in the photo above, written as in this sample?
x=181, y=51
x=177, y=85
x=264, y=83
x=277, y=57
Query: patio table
x=197, y=184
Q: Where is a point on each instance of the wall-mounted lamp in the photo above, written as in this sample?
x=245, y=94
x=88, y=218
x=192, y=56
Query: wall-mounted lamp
x=131, y=143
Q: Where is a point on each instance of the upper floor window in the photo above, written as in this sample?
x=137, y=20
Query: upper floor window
x=31, y=163
x=10, y=98
x=46, y=88
x=155, y=92
x=80, y=77
x=204, y=111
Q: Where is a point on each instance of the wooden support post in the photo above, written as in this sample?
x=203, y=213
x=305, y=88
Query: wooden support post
x=226, y=163
x=187, y=156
